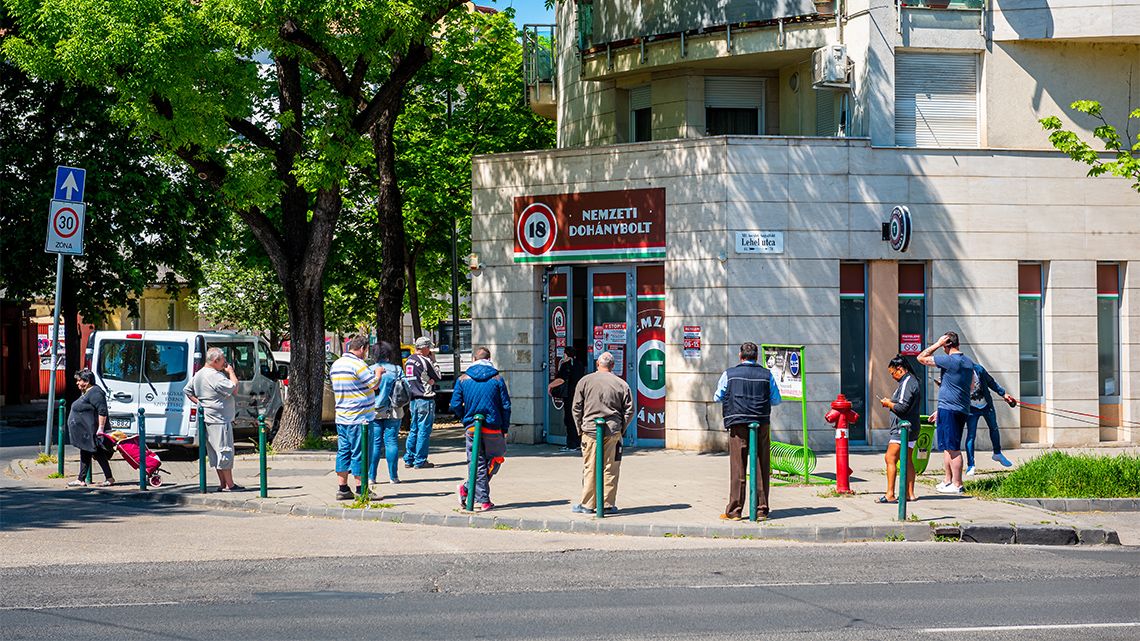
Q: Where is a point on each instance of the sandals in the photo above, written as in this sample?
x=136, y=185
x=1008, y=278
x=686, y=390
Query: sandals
x=883, y=499
x=107, y=483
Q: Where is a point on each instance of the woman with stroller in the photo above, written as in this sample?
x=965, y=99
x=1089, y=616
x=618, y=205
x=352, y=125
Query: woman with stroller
x=85, y=426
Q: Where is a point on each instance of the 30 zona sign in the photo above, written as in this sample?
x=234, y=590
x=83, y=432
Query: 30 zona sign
x=65, y=228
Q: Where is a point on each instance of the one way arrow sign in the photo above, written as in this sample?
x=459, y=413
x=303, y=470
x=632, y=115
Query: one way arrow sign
x=69, y=182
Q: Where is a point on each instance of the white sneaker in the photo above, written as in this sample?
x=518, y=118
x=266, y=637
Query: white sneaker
x=950, y=489
x=1000, y=458
x=970, y=471
x=943, y=485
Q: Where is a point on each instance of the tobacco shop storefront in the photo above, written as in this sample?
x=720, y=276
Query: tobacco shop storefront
x=601, y=256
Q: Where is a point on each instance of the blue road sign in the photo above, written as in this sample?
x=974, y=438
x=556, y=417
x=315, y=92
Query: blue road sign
x=69, y=183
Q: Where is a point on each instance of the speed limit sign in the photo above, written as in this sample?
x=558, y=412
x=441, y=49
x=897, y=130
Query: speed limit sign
x=65, y=228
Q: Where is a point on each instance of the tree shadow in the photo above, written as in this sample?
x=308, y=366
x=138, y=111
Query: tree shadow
x=39, y=508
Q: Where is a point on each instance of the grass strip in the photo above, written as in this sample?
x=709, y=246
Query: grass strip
x=1064, y=476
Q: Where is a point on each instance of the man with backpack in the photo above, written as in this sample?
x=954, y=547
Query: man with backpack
x=982, y=405
x=481, y=390
x=392, y=397
x=422, y=375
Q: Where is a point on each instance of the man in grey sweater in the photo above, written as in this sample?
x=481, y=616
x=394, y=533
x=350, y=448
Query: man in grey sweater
x=601, y=395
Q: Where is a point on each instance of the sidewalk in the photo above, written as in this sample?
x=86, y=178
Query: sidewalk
x=661, y=493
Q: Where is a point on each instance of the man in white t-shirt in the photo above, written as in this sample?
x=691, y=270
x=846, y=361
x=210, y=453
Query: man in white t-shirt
x=212, y=388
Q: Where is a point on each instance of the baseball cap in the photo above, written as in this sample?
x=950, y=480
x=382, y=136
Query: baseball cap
x=424, y=341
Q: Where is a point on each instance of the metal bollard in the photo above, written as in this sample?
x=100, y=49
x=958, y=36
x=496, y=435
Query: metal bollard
x=365, y=447
x=473, y=466
x=904, y=460
x=142, y=449
x=261, y=453
x=752, y=480
x=59, y=438
x=201, y=450
x=599, y=465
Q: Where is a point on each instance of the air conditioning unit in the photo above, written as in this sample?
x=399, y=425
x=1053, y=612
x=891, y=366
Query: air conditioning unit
x=829, y=68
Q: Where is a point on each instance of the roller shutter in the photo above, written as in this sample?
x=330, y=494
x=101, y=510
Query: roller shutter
x=936, y=100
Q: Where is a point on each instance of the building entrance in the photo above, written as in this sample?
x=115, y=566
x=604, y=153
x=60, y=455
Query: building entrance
x=614, y=308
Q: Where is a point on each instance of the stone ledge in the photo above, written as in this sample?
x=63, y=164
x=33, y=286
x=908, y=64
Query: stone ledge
x=1082, y=505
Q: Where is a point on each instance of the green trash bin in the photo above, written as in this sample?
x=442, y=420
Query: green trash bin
x=923, y=445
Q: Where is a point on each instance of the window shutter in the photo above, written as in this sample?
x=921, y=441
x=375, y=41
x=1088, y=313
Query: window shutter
x=936, y=100
x=825, y=114
x=741, y=93
x=640, y=98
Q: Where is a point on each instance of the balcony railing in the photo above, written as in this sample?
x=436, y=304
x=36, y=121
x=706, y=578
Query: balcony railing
x=539, y=66
x=945, y=4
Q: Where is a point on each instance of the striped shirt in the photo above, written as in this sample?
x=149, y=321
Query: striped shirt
x=354, y=385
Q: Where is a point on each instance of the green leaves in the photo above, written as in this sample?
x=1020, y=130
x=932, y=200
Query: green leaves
x=1127, y=156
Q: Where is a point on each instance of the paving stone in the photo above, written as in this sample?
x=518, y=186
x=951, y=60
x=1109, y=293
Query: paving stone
x=637, y=529
x=1112, y=538
x=693, y=530
x=948, y=532
x=860, y=533
x=985, y=533
x=536, y=525
x=1046, y=535
x=1092, y=536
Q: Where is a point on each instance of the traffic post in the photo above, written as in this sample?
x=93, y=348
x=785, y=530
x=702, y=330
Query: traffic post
x=904, y=463
x=261, y=453
x=64, y=236
x=142, y=449
x=59, y=448
x=201, y=449
x=599, y=465
x=753, y=483
x=365, y=446
x=473, y=465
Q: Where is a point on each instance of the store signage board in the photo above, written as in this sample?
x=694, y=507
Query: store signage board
x=601, y=226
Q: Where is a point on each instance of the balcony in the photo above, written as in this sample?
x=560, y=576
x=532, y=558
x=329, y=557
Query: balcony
x=540, y=69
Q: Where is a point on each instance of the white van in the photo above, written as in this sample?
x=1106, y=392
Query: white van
x=150, y=369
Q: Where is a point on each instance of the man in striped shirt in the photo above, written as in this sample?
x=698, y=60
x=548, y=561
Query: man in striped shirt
x=354, y=385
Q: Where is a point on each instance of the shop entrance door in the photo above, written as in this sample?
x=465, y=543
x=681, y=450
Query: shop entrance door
x=558, y=293
x=610, y=318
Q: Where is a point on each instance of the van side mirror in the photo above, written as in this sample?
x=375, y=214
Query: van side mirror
x=282, y=372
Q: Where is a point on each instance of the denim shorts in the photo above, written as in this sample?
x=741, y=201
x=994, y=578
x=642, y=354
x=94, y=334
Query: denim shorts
x=348, y=451
x=948, y=431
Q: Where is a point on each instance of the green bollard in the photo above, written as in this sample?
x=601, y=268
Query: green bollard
x=201, y=450
x=59, y=438
x=261, y=453
x=904, y=459
x=473, y=466
x=142, y=449
x=365, y=447
x=752, y=480
x=599, y=465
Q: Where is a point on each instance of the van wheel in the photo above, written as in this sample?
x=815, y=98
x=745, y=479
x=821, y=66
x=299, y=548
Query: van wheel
x=272, y=433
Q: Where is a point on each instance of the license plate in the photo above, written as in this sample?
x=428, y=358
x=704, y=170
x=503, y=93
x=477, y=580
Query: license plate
x=120, y=421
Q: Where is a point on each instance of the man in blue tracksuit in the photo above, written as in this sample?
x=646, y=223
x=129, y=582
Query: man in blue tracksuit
x=982, y=405
x=481, y=390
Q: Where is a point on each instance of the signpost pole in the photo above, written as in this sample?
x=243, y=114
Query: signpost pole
x=753, y=482
x=54, y=352
x=803, y=413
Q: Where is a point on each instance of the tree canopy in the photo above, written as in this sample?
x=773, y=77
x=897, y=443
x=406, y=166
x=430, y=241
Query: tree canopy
x=1124, y=148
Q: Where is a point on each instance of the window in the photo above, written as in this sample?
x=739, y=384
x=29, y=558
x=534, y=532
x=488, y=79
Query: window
x=446, y=329
x=734, y=106
x=640, y=114
x=242, y=356
x=166, y=362
x=936, y=100
x=120, y=360
x=825, y=121
x=853, y=343
x=912, y=315
x=1030, y=287
x=1108, y=331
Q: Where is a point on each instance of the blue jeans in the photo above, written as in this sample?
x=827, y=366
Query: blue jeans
x=423, y=416
x=385, y=433
x=972, y=432
x=348, y=450
x=482, y=478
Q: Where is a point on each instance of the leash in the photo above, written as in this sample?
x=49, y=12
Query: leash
x=1065, y=413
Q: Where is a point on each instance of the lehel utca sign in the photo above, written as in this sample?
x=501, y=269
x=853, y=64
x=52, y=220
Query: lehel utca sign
x=759, y=242
x=590, y=226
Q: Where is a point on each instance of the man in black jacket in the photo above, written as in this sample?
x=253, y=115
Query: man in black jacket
x=747, y=393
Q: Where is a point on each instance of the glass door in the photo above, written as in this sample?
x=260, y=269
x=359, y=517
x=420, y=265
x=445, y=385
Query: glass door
x=611, y=317
x=559, y=319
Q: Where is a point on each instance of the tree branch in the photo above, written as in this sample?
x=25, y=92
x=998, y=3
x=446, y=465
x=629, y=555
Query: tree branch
x=389, y=93
x=252, y=133
x=328, y=65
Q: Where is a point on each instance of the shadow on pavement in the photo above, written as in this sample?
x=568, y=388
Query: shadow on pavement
x=74, y=508
x=800, y=511
x=524, y=505
x=650, y=509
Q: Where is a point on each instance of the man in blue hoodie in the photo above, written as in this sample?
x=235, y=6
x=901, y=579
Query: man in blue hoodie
x=481, y=390
x=982, y=406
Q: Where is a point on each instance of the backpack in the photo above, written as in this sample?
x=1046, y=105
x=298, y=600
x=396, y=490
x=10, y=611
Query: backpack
x=978, y=393
x=401, y=392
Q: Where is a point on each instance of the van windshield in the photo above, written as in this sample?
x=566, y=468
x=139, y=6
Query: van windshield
x=122, y=360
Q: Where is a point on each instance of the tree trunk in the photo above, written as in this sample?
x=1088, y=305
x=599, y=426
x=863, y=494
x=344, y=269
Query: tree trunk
x=302, y=415
x=390, y=302
x=414, y=295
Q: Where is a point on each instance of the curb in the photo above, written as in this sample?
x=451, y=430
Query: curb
x=1081, y=505
x=972, y=533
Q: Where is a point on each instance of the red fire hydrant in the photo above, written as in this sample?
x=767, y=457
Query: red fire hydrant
x=841, y=415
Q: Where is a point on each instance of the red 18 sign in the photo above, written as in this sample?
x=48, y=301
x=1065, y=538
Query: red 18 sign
x=537, y=229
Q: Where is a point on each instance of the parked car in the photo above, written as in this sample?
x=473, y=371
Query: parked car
x=328, y=400
x=149, y=370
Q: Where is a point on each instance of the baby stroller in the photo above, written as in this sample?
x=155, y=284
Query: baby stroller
x=128, y=447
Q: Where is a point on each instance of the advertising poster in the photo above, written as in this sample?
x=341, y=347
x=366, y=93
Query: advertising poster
x=651, y=353
x=691, y=336
x=556, y=336
x=785, y=362
x=44, y=348
x=910, y=344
